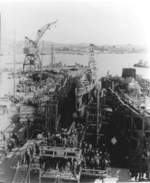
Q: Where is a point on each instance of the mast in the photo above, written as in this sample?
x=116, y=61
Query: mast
x=52, y=55
x=14, y=63
x=92, y=62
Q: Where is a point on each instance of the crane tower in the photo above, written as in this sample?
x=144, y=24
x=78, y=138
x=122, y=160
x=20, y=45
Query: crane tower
x=32, y=61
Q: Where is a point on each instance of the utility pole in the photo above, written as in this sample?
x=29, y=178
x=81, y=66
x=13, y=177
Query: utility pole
x=39, y=175
x=14, y=63
x=52, y=55
x=98, y=115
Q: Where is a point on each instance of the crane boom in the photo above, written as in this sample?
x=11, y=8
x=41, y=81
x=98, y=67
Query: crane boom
x=31, y=50
x=41, y=31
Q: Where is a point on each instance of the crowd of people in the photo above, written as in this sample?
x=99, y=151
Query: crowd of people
x=60, y=164
x=26, y=155
x=66, y=137
x=95, y=158
x=140, y=166
x=29, y=154
x=12, y=141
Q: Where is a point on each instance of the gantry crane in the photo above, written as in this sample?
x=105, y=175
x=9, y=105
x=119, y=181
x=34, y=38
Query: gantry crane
x=32, y=61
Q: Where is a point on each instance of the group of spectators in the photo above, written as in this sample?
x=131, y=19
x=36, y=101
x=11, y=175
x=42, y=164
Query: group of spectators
x=26, y=155
x=59, y=164
x=140, y=166
x=95, y=158
x=12, y=142
x=63, y=140
x=29, y=155
x=66, y=137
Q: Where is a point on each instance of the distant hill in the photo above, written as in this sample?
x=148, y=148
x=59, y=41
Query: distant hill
x=45, y=46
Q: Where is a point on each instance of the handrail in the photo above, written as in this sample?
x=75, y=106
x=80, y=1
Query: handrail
x=21, y=166
x=28, y=174
x=17, y=171
x=94, y=172
x=60, y=152
x=64, y=175
x=129, y=100
x=134, y=110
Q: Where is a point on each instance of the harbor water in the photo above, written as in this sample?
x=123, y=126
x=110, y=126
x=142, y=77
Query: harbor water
x=112, y=63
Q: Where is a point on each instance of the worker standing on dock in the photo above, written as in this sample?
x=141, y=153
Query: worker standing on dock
x=27, y=157
x=148, y=165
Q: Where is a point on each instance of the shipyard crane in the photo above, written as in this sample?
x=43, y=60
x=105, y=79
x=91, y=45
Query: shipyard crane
x=32, y=61
x=92, y=62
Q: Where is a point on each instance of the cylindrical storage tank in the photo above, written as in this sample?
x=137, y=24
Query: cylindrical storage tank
x=128, y=72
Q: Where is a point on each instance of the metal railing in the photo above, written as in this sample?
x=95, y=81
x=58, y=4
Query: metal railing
x=125, y=102
x=21, y=174
x=94, y=172
x=67, y=152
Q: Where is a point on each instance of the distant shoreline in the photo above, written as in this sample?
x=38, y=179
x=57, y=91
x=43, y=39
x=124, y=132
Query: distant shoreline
x=86, y=53
x=79, y=53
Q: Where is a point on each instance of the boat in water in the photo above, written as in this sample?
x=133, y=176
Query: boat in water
x=142, y=64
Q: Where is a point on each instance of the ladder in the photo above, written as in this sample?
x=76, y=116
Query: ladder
x=93, y=117
x=51, y=113
x=98, y=116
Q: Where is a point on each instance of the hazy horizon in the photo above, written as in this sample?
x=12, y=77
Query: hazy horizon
x=100, y=22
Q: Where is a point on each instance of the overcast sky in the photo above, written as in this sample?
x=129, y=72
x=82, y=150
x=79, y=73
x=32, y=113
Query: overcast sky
x=100, y=22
